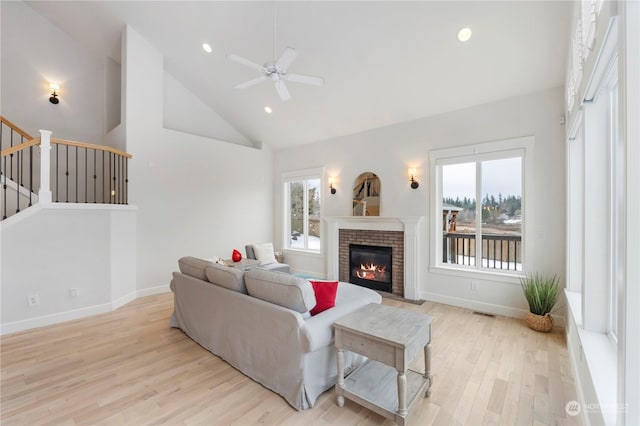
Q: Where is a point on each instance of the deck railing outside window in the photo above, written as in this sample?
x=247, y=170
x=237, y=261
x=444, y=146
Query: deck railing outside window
x=498, y=251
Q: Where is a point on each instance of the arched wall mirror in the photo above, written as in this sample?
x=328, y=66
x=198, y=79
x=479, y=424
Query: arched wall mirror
x=366, y=195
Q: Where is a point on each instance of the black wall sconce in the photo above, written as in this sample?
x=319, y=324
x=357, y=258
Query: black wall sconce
x=331, y=187
x=54, y=93
x=414, y=183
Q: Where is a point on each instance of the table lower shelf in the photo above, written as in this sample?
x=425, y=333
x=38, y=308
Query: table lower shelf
x=375, y=386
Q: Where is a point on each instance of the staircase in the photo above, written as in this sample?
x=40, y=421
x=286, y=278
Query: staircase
x=46, y=170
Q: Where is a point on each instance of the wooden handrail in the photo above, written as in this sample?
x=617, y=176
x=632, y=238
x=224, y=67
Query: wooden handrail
x=90, y=146
x=15, y=128
x=36, y=141
x=20, y=147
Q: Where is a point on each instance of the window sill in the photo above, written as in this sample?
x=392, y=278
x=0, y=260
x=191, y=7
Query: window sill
x=509, y=278
x=600, y=355
x=302, y=252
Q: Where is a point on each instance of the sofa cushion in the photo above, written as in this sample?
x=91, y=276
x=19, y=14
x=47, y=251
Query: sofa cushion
x=264, y=253
x=194, y=267
x=325, y=292
x=226, y=277
x=281, y=289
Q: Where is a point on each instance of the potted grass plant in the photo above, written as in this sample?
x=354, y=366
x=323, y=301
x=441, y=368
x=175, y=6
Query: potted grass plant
x=541, y=293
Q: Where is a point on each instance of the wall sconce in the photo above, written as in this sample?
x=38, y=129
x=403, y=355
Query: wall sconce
x=414, y=183
x=54, y=93
x=331, y=187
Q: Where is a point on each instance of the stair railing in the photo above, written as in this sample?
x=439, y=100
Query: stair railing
x=80, y=173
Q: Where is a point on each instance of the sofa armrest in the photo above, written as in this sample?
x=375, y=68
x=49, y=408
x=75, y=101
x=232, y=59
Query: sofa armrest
x=319, y=328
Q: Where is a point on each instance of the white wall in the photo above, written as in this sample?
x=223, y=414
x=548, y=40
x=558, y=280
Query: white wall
x=47, y=250
x=389, y=151
x=36, y=52
x=196, y=196
x=185, y=112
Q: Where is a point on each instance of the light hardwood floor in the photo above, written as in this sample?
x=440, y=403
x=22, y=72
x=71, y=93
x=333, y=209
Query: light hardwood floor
x=129, y=367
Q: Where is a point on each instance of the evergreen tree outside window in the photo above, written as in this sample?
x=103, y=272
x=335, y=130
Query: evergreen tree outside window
x=479, y=207
x=303, y=218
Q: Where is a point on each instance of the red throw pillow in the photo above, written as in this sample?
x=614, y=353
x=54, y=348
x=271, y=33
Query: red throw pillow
x=325, y=295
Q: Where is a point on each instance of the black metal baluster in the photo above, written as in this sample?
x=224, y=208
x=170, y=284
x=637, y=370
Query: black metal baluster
x=119, y=179
x=86, y=176
x=21, y=158
x=4, y=189
x=95, y=176
x=126, y=181
x=18, y=183
x=114, y=198
x=66, y=148
x=57, y=172
x=30, y=173
x=103, y=177
x=110, y=176
x=11, y=157
x=77, y=173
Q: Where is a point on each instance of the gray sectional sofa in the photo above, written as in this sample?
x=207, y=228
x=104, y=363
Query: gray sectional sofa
x=259, y=322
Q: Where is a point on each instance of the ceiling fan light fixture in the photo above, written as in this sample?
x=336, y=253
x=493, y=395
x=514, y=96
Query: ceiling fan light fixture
x=464, y=34
x=207, y=47
x=268, y=109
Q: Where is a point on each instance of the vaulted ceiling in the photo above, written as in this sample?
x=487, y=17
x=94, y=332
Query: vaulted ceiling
x=382, y=62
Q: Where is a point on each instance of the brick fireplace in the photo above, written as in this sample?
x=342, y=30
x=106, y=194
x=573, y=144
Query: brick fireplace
x=400, y=233
x=374, y=238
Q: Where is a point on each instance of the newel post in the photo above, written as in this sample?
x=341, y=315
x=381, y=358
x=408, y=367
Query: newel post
x=44, y=195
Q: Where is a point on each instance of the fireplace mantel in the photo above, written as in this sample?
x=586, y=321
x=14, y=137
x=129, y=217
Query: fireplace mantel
x=409, y=225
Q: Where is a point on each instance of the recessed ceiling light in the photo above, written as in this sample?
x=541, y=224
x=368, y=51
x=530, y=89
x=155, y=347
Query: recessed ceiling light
x=206, y=47
x=268, y=109
x=464, y=34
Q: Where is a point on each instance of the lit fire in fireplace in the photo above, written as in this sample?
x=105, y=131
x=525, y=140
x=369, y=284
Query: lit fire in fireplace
x=371, y=271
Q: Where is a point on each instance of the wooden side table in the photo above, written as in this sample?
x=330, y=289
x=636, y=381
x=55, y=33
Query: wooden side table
x=390, y=337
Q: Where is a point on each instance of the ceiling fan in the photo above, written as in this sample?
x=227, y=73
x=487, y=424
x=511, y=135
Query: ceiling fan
x=276, y=72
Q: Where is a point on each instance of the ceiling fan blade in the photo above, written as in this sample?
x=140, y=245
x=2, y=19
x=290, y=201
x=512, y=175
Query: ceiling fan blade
x=282, y=90
x=245, y=62
x=251, y=82
x=305, y=79
x=287, y=57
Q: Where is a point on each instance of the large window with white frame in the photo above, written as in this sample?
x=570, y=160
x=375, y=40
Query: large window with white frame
x=303, y=210
x=479, y=199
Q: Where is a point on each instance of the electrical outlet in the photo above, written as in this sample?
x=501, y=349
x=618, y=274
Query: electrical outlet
x=474, y=285
x=74, y=292
x=33, y=299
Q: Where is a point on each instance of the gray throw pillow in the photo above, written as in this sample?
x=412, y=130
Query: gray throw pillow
x=281, y=289
x=226, y=277
x=194, y=267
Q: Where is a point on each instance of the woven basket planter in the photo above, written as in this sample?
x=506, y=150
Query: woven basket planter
x=542, y=323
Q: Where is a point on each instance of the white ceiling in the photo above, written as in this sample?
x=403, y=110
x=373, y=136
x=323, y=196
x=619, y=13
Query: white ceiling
x=383, y=62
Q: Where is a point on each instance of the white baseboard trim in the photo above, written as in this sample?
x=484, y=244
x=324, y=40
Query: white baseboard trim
x=27, y=324
x=483, y=307
x=121, y=301
x=143, y=292
x=488, y=308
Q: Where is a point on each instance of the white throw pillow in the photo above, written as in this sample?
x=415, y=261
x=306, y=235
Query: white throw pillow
x=264, y=253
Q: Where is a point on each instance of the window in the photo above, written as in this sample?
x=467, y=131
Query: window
x=480, y=207
x=617, y=205
x=303, y=201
